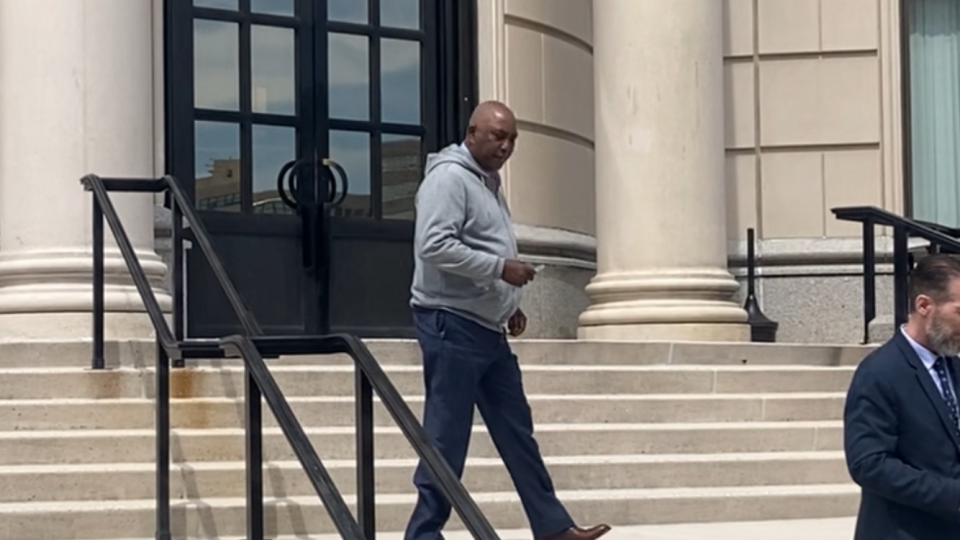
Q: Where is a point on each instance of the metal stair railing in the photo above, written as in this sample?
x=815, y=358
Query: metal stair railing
x=252, y=348
x=870, y=217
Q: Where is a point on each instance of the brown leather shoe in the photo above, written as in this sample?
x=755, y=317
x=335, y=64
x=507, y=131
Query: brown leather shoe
x=576, y=533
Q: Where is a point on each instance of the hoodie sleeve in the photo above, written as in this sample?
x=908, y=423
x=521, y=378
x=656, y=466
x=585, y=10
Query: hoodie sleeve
x=441, y=213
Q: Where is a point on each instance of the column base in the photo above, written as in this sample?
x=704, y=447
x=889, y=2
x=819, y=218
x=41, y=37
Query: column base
x=666, y=332
x=682, y=304
x=77, y=326
x=48, y=296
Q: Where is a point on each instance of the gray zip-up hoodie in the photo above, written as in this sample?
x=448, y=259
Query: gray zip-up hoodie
x=463, y=236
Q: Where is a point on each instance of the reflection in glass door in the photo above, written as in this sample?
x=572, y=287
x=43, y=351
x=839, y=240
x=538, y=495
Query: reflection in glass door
x=379, y=114
x=363, y=73
x=255, y=84
x=245, y=101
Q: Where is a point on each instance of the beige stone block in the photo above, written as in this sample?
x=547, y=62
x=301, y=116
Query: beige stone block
x=789, y=26
x=737, y=27
x=741, y=194
x=851, y=177
x=524, y=73
x=792, y=194
x=567, y=87
x=820, y=101
x=574, y=17
x=739, y=95
x=849, y=24
x=551, y=183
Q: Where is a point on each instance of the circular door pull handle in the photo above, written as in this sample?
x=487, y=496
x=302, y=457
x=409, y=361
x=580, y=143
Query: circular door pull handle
x=337, y=197
x=287, y=194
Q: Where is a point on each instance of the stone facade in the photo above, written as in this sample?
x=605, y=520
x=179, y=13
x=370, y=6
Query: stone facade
x=655, y=189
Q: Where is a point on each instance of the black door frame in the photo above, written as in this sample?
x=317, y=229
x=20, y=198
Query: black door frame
x=448, y=80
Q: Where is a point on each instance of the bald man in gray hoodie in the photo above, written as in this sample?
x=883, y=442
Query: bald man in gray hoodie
x=465, y=299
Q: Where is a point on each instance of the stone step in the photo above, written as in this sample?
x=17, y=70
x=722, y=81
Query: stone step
x=214, y=518
x=227, y=444
x=299, y=380
x=105, y=482
x=838, y=528
x=551, y=352
x=201, y=413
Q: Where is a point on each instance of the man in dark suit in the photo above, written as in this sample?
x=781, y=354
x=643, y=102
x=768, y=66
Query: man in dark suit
x=901, y=419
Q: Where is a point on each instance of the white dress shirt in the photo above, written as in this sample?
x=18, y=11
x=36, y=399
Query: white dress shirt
x=929, y=358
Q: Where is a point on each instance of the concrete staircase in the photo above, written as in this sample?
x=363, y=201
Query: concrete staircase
x=632, y=433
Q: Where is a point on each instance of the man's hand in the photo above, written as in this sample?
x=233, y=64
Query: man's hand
x=517, y=324
x=517, y=273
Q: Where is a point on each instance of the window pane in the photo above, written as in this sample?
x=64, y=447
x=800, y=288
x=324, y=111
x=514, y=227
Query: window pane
x=273, y=146
x=273, y=70
x=216, y=65
x=273, y=7
x=349, y=77
x=217, y=166
x=219, y=4
x=934, y=41
x=400, y=81
x=354, y=11
x=400, y=13
x=351, y=150
x=401, y=175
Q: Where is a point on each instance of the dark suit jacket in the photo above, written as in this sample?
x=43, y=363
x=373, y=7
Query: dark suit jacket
x=901, y=448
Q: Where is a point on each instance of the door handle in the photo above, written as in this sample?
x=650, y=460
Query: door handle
x=335, y=197
x=287, y=182
x=314, y=215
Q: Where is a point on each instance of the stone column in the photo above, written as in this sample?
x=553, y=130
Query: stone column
x=661, y=234
x=77, y=92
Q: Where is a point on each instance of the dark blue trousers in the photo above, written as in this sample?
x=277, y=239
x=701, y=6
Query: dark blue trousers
x=465, y=364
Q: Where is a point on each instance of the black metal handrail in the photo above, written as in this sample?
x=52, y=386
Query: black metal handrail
x=949, y=231
x=252, y=348
x=941, y=239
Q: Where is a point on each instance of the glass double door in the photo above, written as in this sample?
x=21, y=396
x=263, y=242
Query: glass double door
x=301, y=126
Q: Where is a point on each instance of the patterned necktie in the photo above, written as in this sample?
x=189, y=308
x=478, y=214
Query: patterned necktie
x=946, y=390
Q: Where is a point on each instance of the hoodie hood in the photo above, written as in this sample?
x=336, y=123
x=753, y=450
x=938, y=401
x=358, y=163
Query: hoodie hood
x=455, y=153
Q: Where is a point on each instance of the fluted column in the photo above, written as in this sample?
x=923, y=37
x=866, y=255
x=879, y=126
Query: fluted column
x=77, y=93
x=661, y=234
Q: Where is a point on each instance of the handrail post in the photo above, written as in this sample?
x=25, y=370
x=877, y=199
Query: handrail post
x=762, y=328
x=177, y=274
x=163, y=442
x=324, y=485
x=254, y=440
x=869, y=278
x=98, y=361
x=366, y=481
x=900, y=271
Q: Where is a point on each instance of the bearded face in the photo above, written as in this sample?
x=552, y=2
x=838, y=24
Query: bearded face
x=943, y=330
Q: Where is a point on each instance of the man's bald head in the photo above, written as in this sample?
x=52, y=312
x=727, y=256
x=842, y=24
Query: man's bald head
x=490, y=111
x=492, y=134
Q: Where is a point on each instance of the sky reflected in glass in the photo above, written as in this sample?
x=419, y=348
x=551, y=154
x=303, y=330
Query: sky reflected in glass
x=274, y=82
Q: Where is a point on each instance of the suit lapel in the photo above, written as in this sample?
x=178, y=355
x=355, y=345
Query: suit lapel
x=930, y=389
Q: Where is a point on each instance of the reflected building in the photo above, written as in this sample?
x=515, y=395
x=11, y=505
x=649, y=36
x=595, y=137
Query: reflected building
x=218, y=190
x=402, y=172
